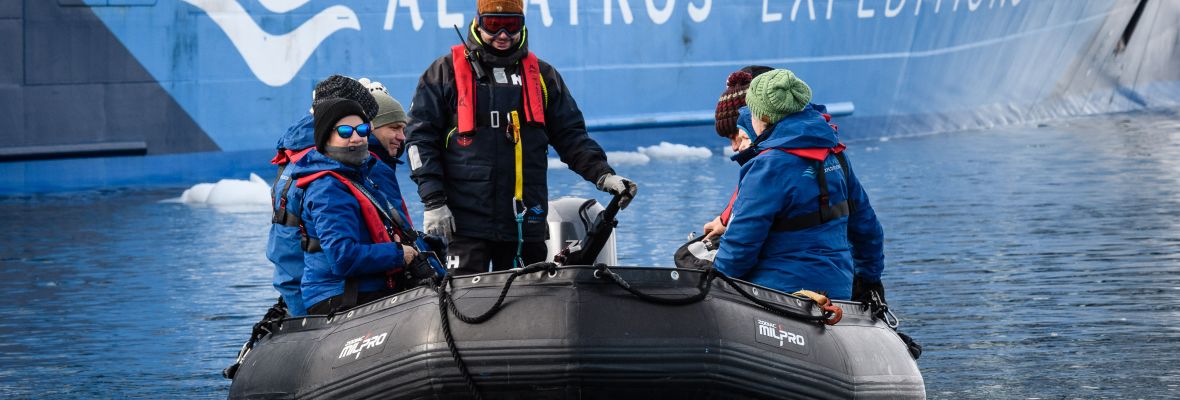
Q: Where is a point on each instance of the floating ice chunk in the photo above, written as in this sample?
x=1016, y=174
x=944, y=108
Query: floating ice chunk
x=229, y=192
x=675, y=152
x=197, y=194
x=617, y=158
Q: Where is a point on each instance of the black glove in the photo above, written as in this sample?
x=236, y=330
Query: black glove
x=419, y=268
x=862, y=290
x=437, y=244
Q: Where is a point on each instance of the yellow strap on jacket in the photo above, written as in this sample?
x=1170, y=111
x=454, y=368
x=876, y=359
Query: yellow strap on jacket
x=519, y=193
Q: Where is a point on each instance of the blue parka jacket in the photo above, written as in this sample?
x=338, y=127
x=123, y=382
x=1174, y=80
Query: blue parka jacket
x=332, y=214
x=775, y=183
x=282, y=245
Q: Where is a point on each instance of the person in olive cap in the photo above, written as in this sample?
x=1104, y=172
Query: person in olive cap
x=389, y=137
x=346, y=197
x=478, y=110
x=801, y=219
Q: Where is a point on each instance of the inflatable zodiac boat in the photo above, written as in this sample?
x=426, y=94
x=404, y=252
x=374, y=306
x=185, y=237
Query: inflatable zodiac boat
x=583, y=331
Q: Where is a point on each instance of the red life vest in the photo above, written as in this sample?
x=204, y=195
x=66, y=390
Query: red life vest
x=285, y=156
x=369, y=214
x=534, y=98
x=817, y=154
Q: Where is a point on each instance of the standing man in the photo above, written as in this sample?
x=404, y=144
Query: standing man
x=482, y=121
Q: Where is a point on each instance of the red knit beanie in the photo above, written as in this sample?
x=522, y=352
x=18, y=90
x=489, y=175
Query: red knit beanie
x=734, y=98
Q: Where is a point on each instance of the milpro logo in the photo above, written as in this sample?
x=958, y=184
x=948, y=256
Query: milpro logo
x=354, y=347
x=275, y=59
x=773, y=334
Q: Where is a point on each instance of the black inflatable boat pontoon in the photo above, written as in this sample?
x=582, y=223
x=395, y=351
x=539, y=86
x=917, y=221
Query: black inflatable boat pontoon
x=574, y=333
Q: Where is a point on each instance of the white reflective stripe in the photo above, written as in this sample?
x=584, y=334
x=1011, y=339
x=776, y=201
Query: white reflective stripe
x=415, y=161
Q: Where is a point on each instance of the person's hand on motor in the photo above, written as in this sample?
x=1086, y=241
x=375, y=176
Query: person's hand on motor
x=439, y=222
x=714, y=229
x=618, y=185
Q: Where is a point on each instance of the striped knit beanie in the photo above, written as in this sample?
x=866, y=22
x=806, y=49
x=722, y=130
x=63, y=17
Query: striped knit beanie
x=733, y=99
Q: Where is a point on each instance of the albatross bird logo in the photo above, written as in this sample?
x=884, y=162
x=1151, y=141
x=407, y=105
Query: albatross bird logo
x=275, y=59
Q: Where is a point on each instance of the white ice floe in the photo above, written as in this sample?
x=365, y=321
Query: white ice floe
x=676, y=152
x=627, y=158
x=643, y=155
x=228, y=192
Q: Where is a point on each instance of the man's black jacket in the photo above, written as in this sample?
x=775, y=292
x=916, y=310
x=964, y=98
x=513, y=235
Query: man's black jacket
x=475, y=174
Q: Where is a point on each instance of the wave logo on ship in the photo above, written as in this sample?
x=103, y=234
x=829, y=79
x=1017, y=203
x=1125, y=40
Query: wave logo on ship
x=355, y=346
x=275, y=59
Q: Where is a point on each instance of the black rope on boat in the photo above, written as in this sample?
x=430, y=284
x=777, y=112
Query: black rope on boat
x=273, y=316
x=704, y=286
x=774, y=309
x=487, y=315
x=446, y=301
x=443, y=299
x=706, y=279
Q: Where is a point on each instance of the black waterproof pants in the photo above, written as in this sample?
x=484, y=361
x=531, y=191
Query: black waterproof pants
x=467, y=255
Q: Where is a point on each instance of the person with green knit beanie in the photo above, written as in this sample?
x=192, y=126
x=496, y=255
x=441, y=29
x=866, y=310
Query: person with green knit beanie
x=800, y=219
x=777, y=94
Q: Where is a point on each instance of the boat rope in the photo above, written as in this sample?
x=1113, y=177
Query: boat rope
x=774, y=309
x=443, y=299
x=273, y=316
x=446, y=301
x=703, y=287
x=827, y=315
x=535, y=267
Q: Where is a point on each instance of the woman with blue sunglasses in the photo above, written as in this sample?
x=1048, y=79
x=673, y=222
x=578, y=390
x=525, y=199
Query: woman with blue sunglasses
x=353, y=215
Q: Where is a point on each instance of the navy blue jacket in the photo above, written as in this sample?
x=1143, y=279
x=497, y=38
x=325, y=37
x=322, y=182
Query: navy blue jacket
x=775, y=183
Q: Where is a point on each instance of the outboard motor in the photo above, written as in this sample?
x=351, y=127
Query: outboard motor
x=570, y=219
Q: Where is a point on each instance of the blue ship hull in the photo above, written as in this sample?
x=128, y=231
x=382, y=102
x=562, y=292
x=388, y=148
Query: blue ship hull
x=174, y=91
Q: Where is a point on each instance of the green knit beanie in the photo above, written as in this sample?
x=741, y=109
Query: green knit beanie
x=388, y=110
x=777, y=94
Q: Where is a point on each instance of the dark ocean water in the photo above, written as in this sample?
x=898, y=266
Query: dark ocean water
x=1032, y=262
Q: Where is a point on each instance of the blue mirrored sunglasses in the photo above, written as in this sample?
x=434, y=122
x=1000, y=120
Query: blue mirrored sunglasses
x=345, y=131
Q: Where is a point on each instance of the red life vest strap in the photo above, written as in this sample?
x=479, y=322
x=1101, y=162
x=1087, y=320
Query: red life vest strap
x=369, y=214
x=465, y=84
x=817, y=154
x=534, y=98
x=728, y=213
x=534, y=109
